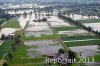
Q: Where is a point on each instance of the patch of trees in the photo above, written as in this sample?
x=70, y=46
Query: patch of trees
x=4, y=37
x=5, y=15
x=41, y=20
x=25, y=15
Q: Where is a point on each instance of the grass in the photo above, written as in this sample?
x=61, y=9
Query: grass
x=97, y=58
x=12, y=23
x=20, y=52
x=5, y=47
x=82, y=43
x=78, y=37
x=18, y=32
x=90, y=21
x=21, y=58
x=65, y=28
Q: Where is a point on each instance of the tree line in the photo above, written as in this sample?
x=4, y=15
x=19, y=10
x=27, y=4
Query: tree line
x=90, y=29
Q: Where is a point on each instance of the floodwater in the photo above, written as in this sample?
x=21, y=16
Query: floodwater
x=37, y=33
x=86, y=51
x=44, y=47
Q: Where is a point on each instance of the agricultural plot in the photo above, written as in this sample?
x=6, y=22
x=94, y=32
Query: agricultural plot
x=23, y=20
x=12, y=23
x=6, y=32
x=5, y=47
x=74, y=32
x=39, y=41
x=90, y=21
x=84, y=42
x=93, y=22
x=89, y=50
x=37, y=44
x=43, y=47
x=37, y=31
x=38, y=37
x=80, y=41
x=57, y=22
x=22, y=58
x=95, y=26
x=66, y=28
x=76, y=36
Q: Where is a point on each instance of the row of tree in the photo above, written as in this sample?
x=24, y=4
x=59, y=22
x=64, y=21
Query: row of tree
x=90, y=29
x=88, y=14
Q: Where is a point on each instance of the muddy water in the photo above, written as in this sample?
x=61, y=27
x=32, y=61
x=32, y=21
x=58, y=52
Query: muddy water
x=96, y=26
x=7, y=31
x=37, y=33
x=44, y=47
x=90, y=50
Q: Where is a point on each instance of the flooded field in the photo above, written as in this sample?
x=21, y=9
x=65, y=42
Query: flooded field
x=86, y=51
x=56, y=22
x=38, y=33
x=74, y=32
x=95, y=26
x=44, y=47
x=7, y=31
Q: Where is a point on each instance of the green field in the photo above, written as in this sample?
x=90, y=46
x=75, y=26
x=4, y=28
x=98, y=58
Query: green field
x=21, y=57
x=74, y=38
x=5, y=47
x=97, y=58
x=90, y=21
x=78, y=37
x=66, y=28
x=12, y=23
x=43, y=37
x=82, y=43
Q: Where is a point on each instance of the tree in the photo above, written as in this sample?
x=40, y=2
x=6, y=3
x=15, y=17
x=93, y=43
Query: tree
x=98, y=15
x=61, y=51
x=2, y=11
x=49, y=9
x=3, y=37
x=82, y=15
x=89, y=15
x=17, y=41
x=25, y=14
x=35, y=12
x=68, y=14
x=94, y=15
x=71, y=54
x=10, y=56
x=44, y=19
x=5, y=64
x=73, y=15
x=13, y=47
x=99, y=33
x=30, y=13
